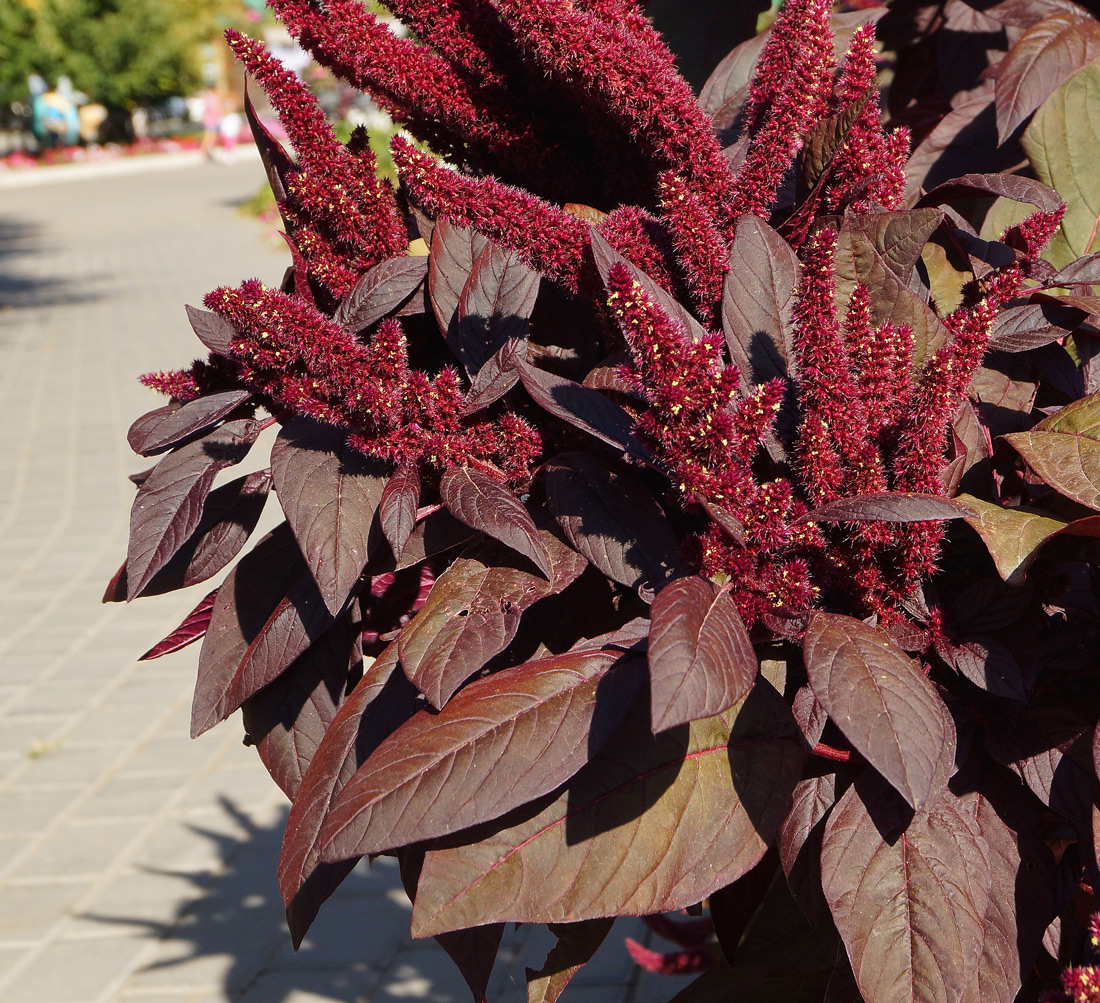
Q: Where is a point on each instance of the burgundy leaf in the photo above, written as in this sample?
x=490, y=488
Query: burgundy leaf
x=276, y=161
x=908, y=892
x=883, y=703
x=1041, y=60
x=575, y=945
x=888, y=506
x=991, y=666
x=809, y=714
x=250, y=594
x=485, y=503
x=435, y=534
x=329, y=493
x=1020, y=328
x=213, y=331
x=726, y=88
x=710, y=794
x=453, y=253
x=494, y=379
x=169, y=504
x=380, y=702
x=612, y=520
x=727, y=521
x=758, y=301
x=701, y=660
x=229, y=516
x=397, y=506
x=169, y=425
x=494, y=307
x=499, y=743
x=1021, y=900
x=287, y=719
x=1010, y=186
x=473, y=612
x=799, y=841
x=194, y=626
x=380, y=290
x=1084, y=271
x=582, y=407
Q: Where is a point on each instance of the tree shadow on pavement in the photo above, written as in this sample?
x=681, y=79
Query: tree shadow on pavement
x=231, y=931
x=20, y=241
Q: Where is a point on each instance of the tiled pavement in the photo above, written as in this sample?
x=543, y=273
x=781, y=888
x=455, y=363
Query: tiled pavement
x=135, y=864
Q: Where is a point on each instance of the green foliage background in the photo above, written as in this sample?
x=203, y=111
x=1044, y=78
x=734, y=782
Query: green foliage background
x=122, y=53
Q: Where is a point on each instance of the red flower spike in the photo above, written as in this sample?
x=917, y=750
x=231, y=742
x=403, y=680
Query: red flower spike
x=176, y=383
x=1082, y=985
x=641, y=239
x=700, y=248
x=857, y=75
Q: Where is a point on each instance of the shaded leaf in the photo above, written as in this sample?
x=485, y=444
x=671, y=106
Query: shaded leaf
x=758, y=300
x=499, y=743
x=194, y=626
x=575, y=945
x=582, y=407
x=883, y=704
x=888, y=506
x=453, y=253
x=169, y=425
x=169, y=503
x=494, y=307
x=991, y=666
x=1040, y=61
x=329, y=493
x=709, y=795
x=287, y=719
x=473, y=612
x=494, y=379
x=213, y=331
x=1021, y=328
x=380, y=702
x=701, y=661
x=612, y=520
x=907, y=892
x=397, y=506
x=485, y=503
x=379, y=291
x=434, y=534
x=1013, y=536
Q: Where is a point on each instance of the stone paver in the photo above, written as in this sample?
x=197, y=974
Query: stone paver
x=137, y=866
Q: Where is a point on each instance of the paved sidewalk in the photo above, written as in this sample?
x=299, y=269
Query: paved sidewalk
x=135, y=864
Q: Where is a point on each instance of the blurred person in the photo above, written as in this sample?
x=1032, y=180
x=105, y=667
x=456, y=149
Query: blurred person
x=211, y=121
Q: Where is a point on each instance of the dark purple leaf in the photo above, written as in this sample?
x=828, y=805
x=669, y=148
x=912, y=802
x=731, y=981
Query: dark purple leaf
x=494, y=307
x=214, y=332
x=575, y=945
x=380, y=702
x=1041, y=60
x=1008, y=186
x=991, y=666
x=582, y=407
x=499, y=743
x=883, y=704
x=397, y=506
x=1083, y=271
x=809, y=714
x=494, y=379
x=888, y=506
x=727, y=87
x=485, y=503
x=908, y=892
x=727, y=521
x=229, y=516
x=1021, y=328
x=612, y=520
x=799, y=842
x=758, y=300
x=824, y=140
x=379, y=291
x=473, y=612
x=453, y=253
x=193, y=627
x=329, y=493
x=169, y=425
x=1021, y=901
x=1025, y=13
x=276, y=161
x=711, y=795
x=250, y=594
x=701, y=661
x=434, y=534
x=169, y=504
x=287, y=719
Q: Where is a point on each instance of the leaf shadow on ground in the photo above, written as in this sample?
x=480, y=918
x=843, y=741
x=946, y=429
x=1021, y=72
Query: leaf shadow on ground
x=230, y=923
x=20, y=241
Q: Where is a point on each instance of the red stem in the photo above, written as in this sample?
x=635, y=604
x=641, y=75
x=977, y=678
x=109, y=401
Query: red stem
x=828, y=752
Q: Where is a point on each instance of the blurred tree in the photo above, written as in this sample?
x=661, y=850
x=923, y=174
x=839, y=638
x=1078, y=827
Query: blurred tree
x=121, y=53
